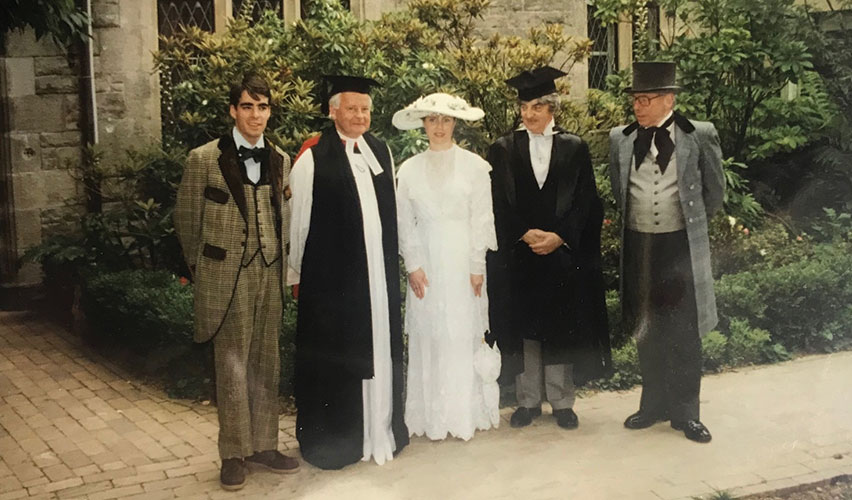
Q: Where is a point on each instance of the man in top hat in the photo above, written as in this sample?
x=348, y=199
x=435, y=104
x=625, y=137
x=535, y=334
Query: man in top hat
x=667, y=180
x=344, y=257
x=232, y=222
x=546, y=290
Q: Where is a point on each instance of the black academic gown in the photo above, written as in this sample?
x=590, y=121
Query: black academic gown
x=334, y=339
x=557, y=299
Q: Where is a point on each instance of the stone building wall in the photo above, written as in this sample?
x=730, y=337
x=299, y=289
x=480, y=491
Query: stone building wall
x=42, y=135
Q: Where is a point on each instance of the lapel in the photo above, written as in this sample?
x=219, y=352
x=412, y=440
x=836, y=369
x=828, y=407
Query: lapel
x=230, y=168
x=625, y=159
x=564, y=171
x=686, y=144
x=520, y=153
x=275, y=170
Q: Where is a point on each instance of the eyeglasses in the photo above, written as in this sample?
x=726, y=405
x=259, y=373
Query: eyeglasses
x=644, y=100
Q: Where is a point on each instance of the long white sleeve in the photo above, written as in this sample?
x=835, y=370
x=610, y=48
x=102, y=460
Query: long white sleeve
x=482, y=232
x=302, y=186
x=409, y=239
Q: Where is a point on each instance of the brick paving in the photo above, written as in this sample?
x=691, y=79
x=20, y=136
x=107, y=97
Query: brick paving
x=73, y=425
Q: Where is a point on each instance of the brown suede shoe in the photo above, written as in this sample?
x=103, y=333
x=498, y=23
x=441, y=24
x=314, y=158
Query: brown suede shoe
x=233, y=474
x=273, y=461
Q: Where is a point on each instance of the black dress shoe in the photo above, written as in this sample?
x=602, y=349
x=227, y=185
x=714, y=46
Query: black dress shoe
x=524, y=416
x=233, y=474
x=693, y=429
x=566, y=418
x=640, y=420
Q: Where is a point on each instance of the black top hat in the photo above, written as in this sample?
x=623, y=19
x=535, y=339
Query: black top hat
x=344, y=83
x=536, y=83
x=653, y=76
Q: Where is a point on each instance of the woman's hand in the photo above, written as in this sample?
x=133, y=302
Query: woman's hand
x=476, y=281
x=418, y=282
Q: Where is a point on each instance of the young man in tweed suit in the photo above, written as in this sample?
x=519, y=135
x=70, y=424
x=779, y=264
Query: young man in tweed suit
x=667, y=179
x=233, y=223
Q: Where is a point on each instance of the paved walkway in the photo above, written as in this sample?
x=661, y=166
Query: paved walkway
x=73, y=426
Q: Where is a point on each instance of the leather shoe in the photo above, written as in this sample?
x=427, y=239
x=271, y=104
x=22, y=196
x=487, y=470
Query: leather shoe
x=693, y=429
x=640, y=420
x=233, y=474
x=273, y=461
x=566, y=418
x=524, y=416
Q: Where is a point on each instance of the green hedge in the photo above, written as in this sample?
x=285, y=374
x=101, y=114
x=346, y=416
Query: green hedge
x=146, y=318
x=805, y=305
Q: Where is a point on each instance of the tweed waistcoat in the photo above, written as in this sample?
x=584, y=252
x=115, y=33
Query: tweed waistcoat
x=261, y=236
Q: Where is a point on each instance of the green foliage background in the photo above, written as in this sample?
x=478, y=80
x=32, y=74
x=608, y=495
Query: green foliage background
x=774, y=275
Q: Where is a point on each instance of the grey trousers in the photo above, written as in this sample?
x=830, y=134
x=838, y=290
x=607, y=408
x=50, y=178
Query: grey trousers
x=247, y=364
x=558, y=381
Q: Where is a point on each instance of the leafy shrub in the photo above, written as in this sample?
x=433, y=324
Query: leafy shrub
x=804, y=304
x=735, y=247
x=714, y=349
x=625, y=363
x=429, y=46
x=142, y=310
x=149, y=314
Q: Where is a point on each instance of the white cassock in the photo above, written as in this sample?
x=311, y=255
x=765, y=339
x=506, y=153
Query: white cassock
x=379, y=442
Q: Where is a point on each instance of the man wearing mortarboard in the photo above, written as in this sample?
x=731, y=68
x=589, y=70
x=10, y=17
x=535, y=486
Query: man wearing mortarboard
x=547, y=307
x=344, y=257
x=668, y=181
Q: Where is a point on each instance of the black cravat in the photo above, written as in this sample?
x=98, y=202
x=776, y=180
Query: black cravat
x=660, y=136
x=258, y=154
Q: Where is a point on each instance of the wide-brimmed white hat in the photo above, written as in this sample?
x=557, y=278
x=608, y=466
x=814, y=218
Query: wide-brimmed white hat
x=411, y=116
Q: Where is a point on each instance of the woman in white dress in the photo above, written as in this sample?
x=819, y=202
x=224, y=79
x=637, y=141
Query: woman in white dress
x=446, y=225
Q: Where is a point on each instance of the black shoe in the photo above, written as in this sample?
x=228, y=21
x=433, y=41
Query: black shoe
x=693, y=430
x=566, y=418
x=273, y=461
x=233, y=474
x=640, y=420
x=524, y=416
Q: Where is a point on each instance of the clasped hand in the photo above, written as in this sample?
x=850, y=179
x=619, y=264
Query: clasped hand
x=542, y=242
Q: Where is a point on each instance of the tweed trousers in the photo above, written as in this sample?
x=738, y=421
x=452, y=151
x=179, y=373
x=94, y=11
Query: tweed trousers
x=247, y=363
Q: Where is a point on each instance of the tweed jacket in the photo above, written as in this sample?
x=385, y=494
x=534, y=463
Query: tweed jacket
x=211, y=222
x=701, y=188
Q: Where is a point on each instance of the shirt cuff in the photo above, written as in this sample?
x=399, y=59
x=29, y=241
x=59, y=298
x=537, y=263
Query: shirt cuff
x=292, y=276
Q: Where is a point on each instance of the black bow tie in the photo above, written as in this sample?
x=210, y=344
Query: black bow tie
x=257, y=154
x=660, y=136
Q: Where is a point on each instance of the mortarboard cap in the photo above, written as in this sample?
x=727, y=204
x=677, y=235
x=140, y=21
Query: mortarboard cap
x=536, y=83
x=335, y=84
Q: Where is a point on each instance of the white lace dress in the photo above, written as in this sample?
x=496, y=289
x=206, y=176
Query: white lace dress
x=446, y=224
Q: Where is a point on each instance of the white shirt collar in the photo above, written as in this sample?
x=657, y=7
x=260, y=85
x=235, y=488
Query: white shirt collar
x=365, y=150
x=548, y=129
x=239, y=140
x=666, y=118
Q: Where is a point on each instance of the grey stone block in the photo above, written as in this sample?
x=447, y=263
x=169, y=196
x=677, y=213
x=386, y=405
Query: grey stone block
x=39, y=113
x=27, y=228
x=71, y=112
x=24, y=44
x=55, y=84
x=56, y=65
x=29, y=190
x=54, y=139
x=61, y=188
x=106, y=15
x=20, y=76
x=63, y=157
x=111, y=105
x=25, y=152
